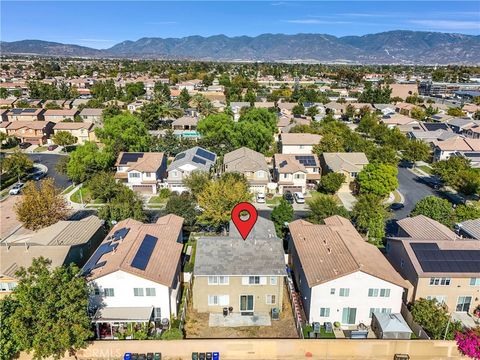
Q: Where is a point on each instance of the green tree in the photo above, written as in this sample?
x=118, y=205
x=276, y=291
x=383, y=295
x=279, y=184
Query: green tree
x=369, y=217
x=218, y=199
x=111, y=111
x=331, y=183
x=434, y=318
x=448, y=170
x=184, y=98
x=323, y=206
x=468, y=182
x=298, y=110
x=196, y=182
x=416, y=150
x=41, y=206
x=418, y=113
x=124, y=133
x=467, y=212
x=377, y=178
x=312, y=111
x=183, y=205
x=103, y=186
x=3, y=93
x=9, y=347
x=455, y=112
x=281, y=214
x=435, y=208
x=17, y=164
x=64, y=138
x=384, y=155
x=51, y=317
x=250, y=97
x=87, y=160
x=330, y=143
x=126, y=204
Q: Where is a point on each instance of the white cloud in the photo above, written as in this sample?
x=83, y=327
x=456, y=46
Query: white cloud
x=448, y=24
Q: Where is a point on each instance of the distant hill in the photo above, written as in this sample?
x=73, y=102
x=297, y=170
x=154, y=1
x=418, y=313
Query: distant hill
x=408, y=47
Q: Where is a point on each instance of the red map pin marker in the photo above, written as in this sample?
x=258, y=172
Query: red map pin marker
x=244, y=226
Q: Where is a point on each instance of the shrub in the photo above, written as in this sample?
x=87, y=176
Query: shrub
x=172, y=334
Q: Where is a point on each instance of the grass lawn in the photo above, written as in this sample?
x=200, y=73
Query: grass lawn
x=323, y=333
x=273, y=201
x=40, y=149
x=85, y=196
x=158, y=200
x=427, y=169
x=68, y=189
x=315, y=194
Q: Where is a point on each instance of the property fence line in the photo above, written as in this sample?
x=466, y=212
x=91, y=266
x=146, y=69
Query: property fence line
x=416, y=328
x=295, y=302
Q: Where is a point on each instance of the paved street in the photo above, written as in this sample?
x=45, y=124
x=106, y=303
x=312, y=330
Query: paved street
x=50, y=160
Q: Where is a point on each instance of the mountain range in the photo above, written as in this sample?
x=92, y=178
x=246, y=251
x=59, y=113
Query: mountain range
x=392, y=47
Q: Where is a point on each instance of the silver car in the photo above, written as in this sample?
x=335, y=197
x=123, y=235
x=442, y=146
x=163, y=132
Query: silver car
x=16, y=189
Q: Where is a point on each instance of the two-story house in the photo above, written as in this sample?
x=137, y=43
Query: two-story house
x=244, y=275
x=299, y=143
x=294, y=173
x=68, y=241
x=185, y=123
x=186, y=162
x=83, y=131
x=349, y=164
x=57, y=116
x=340, y=276
x=444, y=149
x=437, y=263
x=134, y=275
x=34, y=132
x=18, y=114
x=92, y=115
x=251, y=164
x=141, y=171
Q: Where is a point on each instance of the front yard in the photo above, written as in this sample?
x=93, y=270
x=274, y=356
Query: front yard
x=196, y=326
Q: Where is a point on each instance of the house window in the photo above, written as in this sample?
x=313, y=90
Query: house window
x=254, y=280
x=402, y=263
x=332, y=291
x=109, y=292
x=3, y=286
x=344, y=292
x=218, y=280
x=157, y=313
x=260, y=174
x=380, y=310
x=299, y=176
x=475, y=281
x=96, y=291
x=148, y=174
x=11, y=286
x=353, y=174
x=150, y=291
x=384, y=292
x=372, y=292
x=285, y=176
x=137, y=291
x=324, y=312
x=273, y=280
x=301, y=146
x=271, y=300
x=440, y=281
x=218, y=300
x=174, y=173
x=134, y=175
x=440, y=298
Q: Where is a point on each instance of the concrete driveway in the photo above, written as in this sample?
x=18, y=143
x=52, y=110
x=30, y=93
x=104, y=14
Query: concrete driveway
x=347, y=199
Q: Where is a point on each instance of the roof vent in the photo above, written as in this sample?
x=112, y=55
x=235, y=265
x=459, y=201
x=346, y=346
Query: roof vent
x=325, y=242
x=329, y=250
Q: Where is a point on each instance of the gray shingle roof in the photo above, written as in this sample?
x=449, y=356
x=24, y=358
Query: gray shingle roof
x=187, y=157
x=260, y=254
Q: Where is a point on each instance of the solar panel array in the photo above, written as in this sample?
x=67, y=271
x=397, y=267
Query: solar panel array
x=179, y=156
x=434, y=259
x=17, y=111
x=130, y=157
x=144, y=252
x=120, y=234
x=93, y=263
x=283, y=163
x=306, y=160
x=435, y=126
x=198, y=160
x=205, y=154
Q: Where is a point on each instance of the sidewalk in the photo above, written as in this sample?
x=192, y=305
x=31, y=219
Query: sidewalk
x=348, y=200
x=74, y=205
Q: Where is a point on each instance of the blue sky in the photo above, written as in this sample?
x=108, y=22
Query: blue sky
x=101, y=24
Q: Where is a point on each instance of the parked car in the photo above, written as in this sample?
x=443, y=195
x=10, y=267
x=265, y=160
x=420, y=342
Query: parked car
x=299, y=198
x=431, y=181
x=289, y=197
x=16, y=189
x=261, y=198
x=52, y=147
x=24, y=145
x=396, y=206
x=37, y=175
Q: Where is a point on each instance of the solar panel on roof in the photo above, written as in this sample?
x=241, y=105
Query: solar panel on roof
x=198, y=160
x=102, y=250
x=179, y=156
x=130, y=157
x=434, y=259
x=120, y=234
x=29, y=110
x=205, y=154
x=306, y=160
x=144, y=252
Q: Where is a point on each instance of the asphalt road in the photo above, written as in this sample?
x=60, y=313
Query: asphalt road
x=50, y=160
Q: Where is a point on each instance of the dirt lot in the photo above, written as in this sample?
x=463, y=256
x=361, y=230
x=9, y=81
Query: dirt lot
x=196, y=326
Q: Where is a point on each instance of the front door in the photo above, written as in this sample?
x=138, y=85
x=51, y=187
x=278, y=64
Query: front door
x=246, y=304
x=349, y=315
x=463, y=303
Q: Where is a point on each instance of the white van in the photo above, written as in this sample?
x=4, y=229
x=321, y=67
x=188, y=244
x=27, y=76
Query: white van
x=261, y=198
x=299, y=198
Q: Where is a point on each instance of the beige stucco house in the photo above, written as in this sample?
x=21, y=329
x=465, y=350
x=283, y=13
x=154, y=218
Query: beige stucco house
x=246, y=275
x=251, y=164
x=294, y=173
x=349, y=164
x=83, y=131
x=438, y=263
x=299, y=143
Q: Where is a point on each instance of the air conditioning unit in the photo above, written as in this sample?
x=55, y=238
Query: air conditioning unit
x=275, y=314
